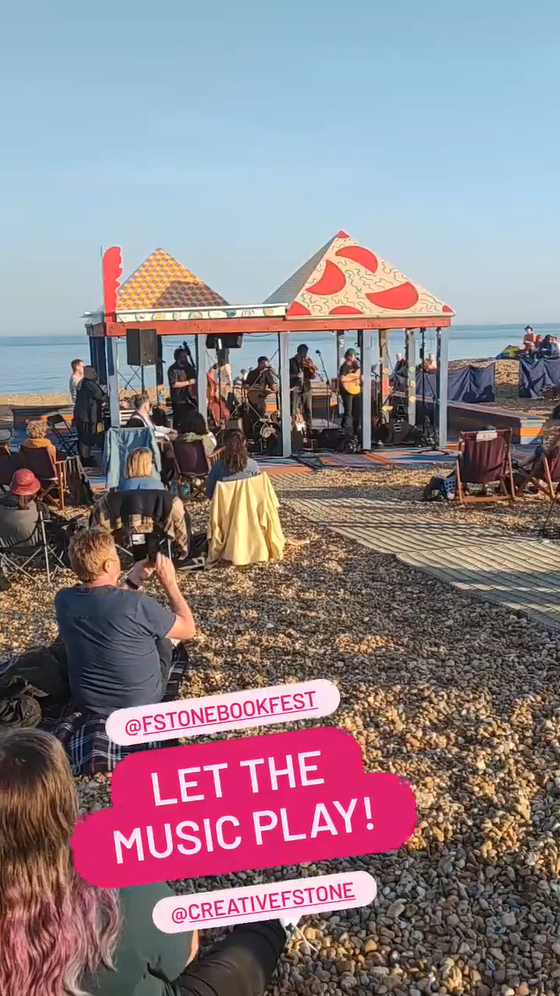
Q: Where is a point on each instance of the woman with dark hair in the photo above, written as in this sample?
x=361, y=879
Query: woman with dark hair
x=235, y=463
x=197, y=431
x=63, y=937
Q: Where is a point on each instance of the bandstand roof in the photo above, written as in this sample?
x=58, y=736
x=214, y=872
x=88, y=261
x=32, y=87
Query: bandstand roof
x=162, y=282
x=343, y=286
x=346, y=279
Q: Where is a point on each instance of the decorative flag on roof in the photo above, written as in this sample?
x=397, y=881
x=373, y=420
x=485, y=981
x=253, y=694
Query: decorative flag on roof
x=162, y=282
x=344, y=278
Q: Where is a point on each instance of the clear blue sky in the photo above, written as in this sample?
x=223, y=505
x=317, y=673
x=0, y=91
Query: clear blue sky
x=241, y=135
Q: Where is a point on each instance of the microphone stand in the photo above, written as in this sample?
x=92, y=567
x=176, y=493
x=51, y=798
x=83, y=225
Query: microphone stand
x=328, y=387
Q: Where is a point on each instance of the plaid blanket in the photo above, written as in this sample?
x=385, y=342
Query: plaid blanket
x=83, y=734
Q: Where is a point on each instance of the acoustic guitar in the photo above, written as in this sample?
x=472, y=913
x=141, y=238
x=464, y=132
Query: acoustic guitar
x=351, y=381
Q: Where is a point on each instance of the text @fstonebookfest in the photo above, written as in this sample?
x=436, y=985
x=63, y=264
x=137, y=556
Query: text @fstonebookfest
x=237, y=805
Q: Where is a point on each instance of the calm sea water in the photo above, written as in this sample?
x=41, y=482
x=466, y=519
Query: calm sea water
x=41, y=364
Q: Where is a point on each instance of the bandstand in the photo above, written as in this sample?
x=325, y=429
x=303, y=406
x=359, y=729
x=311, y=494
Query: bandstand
x=344, y=287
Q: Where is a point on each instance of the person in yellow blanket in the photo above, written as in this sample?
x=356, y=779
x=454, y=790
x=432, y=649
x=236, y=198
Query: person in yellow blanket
x=235, y=463
x=244, y=524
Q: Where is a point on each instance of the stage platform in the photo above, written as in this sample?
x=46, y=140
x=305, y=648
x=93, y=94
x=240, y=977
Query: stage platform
x=527, y=429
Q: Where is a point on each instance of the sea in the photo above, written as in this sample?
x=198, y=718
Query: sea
x=40, y=364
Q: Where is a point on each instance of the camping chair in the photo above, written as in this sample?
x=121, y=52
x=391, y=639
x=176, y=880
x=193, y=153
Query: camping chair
x=18, y=557
x=66, y=437
x=131, y=540
x=50, y=473
x=544, y=475
x=9, y=463
x=192, y=467
x=485, y=459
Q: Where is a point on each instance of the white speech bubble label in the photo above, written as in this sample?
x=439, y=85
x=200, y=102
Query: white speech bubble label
x=221, y=713
x=287, y=900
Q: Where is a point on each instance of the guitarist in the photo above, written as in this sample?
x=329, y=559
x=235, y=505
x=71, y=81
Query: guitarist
x=260, y=382
x=350, y=384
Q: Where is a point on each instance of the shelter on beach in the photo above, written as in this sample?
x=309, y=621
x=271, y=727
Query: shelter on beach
x=343, y=287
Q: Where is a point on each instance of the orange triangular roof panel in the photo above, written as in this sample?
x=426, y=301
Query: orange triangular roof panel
x=162, y=282
x=345, y=278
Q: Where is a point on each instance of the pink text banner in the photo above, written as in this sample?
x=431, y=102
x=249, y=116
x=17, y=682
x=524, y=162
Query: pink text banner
x=237, y=805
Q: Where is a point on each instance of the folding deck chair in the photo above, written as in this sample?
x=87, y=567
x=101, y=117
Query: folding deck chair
x=192, y=467
x=66, y=436
x=50, y=473
x=544, y=476
x=484, y=459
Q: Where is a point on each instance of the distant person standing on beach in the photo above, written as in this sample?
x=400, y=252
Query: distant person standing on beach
x=87, y=413
x=76, y=378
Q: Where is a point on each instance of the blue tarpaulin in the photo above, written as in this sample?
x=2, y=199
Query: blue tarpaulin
x=535, y=376
x=469, y=384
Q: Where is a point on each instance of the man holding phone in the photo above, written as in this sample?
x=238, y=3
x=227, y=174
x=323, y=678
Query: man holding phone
x=118, y=640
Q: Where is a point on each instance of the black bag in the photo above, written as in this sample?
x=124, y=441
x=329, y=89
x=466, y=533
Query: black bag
x=19, y=705
x=45, y=669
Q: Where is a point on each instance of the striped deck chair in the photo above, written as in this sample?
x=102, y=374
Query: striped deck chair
x=484, y=460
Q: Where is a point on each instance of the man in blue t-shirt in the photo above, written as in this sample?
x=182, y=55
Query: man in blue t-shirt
x=117, y=639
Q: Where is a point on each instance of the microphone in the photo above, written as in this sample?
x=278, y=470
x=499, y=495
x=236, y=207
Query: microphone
x=318, y=351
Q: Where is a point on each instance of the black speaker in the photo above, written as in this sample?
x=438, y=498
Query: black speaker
x=330, y=438
x=141, y=347
x=229, y=341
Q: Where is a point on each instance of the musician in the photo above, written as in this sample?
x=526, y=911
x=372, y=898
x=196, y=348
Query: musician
x=260, y=382
x=222, y=378
x=182, y=378
x=302, y=372
x=349, y=379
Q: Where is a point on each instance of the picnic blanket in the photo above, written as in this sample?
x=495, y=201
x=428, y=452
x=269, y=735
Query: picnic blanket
x=83, y=734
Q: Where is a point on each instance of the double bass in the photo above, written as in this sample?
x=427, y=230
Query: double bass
x=217, y=408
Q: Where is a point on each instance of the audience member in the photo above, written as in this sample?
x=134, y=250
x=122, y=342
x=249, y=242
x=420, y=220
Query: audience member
x=139, y=477
x=37, y=439
x=198, y=432
x=235, y=463
x=117, y=639
x=19, y=515
x=61, y=936
x=88, y=414
x=142, y=416
x=76, y=378
x=139, y=472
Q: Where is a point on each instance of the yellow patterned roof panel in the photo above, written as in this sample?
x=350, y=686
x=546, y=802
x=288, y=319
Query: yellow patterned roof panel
x=162, y=282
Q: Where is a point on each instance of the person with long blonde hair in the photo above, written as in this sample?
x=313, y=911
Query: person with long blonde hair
x=60, y=936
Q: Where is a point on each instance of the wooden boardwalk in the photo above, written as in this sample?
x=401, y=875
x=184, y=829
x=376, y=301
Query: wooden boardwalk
x=517, y=572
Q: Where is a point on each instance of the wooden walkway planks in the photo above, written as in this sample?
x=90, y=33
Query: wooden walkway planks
x=516, y=572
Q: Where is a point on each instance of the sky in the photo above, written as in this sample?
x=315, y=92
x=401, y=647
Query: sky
x=241, y=136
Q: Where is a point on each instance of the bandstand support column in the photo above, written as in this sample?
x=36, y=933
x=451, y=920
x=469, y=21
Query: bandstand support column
x=113, y=380
x=410, y=359
x=284, y=392
x=366, y=359
x=200, y=348
x=442, y=385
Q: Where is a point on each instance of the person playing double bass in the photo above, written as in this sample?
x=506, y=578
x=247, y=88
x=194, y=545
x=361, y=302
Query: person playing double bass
x=350, y=384
x=302, y=372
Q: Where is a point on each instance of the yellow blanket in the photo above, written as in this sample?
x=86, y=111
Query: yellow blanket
x=244, y=523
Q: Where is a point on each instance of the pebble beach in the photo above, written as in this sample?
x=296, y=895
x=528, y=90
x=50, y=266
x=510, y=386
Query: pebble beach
x=459, y=696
